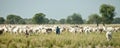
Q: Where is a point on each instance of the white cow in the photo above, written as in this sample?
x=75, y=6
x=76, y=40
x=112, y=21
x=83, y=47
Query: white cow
x=108, y=35
x=87, y=29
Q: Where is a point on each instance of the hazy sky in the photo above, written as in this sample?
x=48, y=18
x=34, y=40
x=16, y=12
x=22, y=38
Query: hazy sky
x=56, y=9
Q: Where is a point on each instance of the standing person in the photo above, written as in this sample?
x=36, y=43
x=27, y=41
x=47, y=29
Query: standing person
x=57, y=30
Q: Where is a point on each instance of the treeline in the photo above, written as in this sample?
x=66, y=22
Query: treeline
x=39, y=18
x=107, y=14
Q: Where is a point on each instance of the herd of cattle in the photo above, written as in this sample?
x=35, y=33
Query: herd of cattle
x=52, y=28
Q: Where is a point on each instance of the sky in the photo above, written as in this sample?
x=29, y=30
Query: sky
x=56, y=9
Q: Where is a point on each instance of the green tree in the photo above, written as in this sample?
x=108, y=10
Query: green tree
x=62, y=21
x=94, y=19
x=69, y=20
x=21, y=21
x=46, y=21
x=108, y=13
x=84, y=21
x=53, y=21
x=13, y=19
x=2, y=20
x=39, y=18
x=75, y=19
x=28, y=21
x=116, y=21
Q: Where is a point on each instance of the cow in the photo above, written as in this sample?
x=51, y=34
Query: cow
x=108, y=35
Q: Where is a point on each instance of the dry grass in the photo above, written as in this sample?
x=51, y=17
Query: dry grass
x=64, y=40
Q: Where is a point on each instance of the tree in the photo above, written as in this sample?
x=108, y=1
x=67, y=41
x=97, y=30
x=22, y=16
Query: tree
x=62, y=21
x=84, y=21
x=28, y=21
x=21, y=21
x=75, y=19
x=39, y=18
x=116, y=21
x=13, y=19
x=53, y=21
x=69, y=20
x=46, y=21
x=2, y=20
x=94, y=19
x=108, y=13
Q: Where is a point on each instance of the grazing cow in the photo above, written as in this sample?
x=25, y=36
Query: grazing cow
x=117, y=29
x=52, y=28
x=15, y=30
x=48, y=30
x=108, y=35
x=87, y=29
x=101, y=30
x=80, y=30
x=72, y=30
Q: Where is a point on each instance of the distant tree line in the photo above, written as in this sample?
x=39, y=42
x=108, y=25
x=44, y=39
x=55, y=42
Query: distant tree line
x=107, y=13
